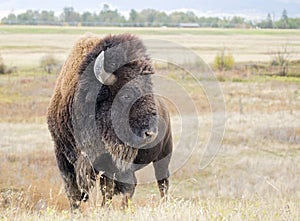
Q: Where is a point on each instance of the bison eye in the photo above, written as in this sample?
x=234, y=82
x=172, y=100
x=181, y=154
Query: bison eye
x=113, y=64
x=127, y=96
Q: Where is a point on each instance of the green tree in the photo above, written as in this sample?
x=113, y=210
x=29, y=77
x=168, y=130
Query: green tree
x=162, y=18
x=269, y=21
x=284, y=21
x=209, y=22
x=237, y=21
x=284, y=15
x=133, y=16
x=87, y=18
x=70, y=16
x=148, y=16
x=10, y=19
x=110, y=17
x=294, y=23
x=47, y=17
x=182, y=17
x=105, y=8
x=191, y=17
x=28, y=17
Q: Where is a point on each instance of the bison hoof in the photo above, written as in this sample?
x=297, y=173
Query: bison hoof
x=84, y=196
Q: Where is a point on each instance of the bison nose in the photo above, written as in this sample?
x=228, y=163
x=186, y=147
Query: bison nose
x=149, y=135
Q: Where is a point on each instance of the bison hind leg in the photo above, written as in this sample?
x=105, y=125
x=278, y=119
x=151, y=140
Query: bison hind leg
x=68, y=174
x=85, y=176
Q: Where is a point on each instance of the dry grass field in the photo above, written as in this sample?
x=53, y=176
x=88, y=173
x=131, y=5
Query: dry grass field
x=245, y=45
x=254, y=176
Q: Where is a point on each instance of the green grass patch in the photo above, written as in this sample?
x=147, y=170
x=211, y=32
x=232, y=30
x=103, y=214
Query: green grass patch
x=5, y=29
x=270, y=79
x=29, y=47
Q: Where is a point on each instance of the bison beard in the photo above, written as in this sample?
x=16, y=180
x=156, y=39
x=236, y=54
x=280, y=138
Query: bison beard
x=122, y=154
x=80, y=119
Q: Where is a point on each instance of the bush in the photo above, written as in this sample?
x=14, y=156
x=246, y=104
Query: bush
x=281, y=59
x=223, y=61
x=50, y=64
x=2, y=66
x=4, y=69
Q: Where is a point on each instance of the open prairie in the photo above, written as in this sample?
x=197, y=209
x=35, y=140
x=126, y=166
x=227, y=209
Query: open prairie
x=245, y=45
x=255, y=174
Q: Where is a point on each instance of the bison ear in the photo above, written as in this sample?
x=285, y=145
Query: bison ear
x=100, y=73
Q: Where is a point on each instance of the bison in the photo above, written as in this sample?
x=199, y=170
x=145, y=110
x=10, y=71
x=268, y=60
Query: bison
x=106, y=121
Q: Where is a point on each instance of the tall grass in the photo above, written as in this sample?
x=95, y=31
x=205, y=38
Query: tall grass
x=200, y=209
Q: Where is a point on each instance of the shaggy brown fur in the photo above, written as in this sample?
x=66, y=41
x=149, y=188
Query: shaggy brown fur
x=79, y=119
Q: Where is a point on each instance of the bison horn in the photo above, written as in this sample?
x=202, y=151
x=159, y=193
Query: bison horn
x=103, y=76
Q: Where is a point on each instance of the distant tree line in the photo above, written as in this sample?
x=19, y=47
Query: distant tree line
x=283, y=23
x=144, y=18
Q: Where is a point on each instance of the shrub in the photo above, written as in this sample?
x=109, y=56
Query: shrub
x=50, y=64
x=6, y=70
x=223, y=61
x=2, y=66
x=281, y=59
x=221, y=78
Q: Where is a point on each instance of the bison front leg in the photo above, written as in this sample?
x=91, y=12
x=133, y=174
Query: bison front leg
x=163, y=186
x=125, y=184
x=107, y=189
x=162, y=174
x=69, y=177
x=127, y=194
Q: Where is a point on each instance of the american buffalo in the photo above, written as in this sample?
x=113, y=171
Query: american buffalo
x=105, y=119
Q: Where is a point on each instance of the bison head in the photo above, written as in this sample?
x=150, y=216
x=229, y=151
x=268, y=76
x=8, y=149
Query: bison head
x=126, y=111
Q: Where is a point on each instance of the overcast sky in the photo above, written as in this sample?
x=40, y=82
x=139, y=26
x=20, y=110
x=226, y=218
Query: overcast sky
x=248, y=8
